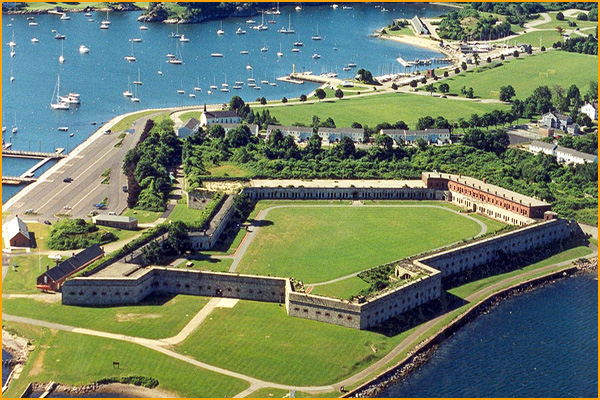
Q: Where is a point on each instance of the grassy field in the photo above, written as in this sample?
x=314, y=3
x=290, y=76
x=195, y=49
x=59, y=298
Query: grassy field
x=342, y=289
x=318, y=244
x=79, y=359
x=210, y=264
x=533, y=38
x=190, y=114
x=270, y=345
x=565, y=24
x=23, y=278
x=549, y=68
x=144, y=217
x=229, y=169
x=181, y=212
x=42, y=234
x=472, y=287
x=491, y=224
x=156, y=318
x=372, y=110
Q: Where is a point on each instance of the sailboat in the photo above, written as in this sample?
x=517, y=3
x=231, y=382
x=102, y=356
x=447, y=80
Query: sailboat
x=175, y=34
x=60, y=104
x=198, y=88
x=128, y=93
x=279, y=53
x=131, y=57
x=12, y=76
x=183, y=39
x=139, y=81
x=65, y=17
x=159, y=70
x=106, y=21
x=289, y=28
x=214, y=86
x=135, y=98
x=317, y=37
x=12, y=52
x=276, y=12
x=61, y=58
x=12, y=42
x=181, y=91
x=262, y=26
x=143, y=27
x=221, y=31
x=15, y=129
x=225, y=86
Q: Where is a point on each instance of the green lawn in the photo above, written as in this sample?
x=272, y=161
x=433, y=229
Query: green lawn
x=76, y=359
x=23, y=278
x=319, y=244
x=144, y=217
x=229, y=169
x=565, y=24
x=372, y=110
x=262, y=341
x=126, y=122
x=210, y=264
x=122, y=234
x=533, y=38
x=342, y=289
x=190, y=114
x=525, y=74
x=492, y=224
x=156, y=318
x=42, y=234
x=472, y=287
x=181, y=212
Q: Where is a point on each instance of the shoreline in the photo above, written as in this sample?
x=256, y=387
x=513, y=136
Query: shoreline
x=129, y=390
x=428, y=44
x=423, y=351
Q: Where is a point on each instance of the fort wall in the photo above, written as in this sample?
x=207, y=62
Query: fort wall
x=343, y=193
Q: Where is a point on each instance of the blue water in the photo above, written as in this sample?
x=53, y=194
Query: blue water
x=5, y=370
x=102, y=75
x=539, y=344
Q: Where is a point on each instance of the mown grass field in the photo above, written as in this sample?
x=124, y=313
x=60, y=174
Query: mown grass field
x=76, y=359
x=342, y=289
x=565, y=23
x=22, y=279
x=262, y=341
x=155, y=318
x=372, y=110
x=181, y=212
x=319, y=244
x=229, y=169
x=525, y=74
x=533, y=38
x=144, y=217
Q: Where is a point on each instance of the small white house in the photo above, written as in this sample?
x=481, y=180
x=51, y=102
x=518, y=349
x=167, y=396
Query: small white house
x=189, y=128
x=591, y=110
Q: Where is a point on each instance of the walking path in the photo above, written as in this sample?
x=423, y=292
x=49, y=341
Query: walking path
x=249, y=237
x=255, y=384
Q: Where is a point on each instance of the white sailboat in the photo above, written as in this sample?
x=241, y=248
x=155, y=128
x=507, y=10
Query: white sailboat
x=221, y=31
x=240, y=31
x=159, y=70
x=59, y=104
x=131, y=58
x=15, y=129
x=183, y=39
x=139, y=81
x=12, y=42
x=289, y=28
x=12, y=76
x=65, y=17
x=143, y=27
x=178, y=59
x=175, y=34
x=317, y=36
x=128, y=93
x=279, y=53
x=83, y=49
x=61, y=58
x=262, y=26
x=135, y=98
x=34, y=40
x=214, y=86
x=107, y=20
x=198, y=88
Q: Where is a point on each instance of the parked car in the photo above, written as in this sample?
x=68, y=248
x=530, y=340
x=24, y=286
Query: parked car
x=47, y=222
x=68, y=180
x=125, y=189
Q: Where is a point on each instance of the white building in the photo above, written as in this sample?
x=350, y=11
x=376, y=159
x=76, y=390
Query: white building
x=208, y=118
x=591, y=110
x=300, y=133
x=431, y=136
x=562, y=154
x=189, y=128
x=334, y=135
x=253, y=128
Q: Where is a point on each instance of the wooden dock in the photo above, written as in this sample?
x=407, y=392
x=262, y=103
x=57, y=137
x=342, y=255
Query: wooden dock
x=17, y=180
x=33, y=154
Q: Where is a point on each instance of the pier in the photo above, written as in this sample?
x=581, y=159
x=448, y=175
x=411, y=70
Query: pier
x=289, y=79
x=17, y=180
x=34, y=154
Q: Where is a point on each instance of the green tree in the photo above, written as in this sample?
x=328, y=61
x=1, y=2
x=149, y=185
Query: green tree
x=444, y=88
x=236, y=103
x=339, y=93
x=177, y=240
x=431, y=88
x=506, y=93
x=320, y=93
x=284, y=100
x=302, y=98
x=421, y=144
x=560, y=16
x=385, y=142
x=216, y=132
x=263, y=101
x=152, y=253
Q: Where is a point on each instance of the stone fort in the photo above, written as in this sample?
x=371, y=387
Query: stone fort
x=537, y=227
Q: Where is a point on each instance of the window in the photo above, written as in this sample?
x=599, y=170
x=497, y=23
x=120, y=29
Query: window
x=340, y=316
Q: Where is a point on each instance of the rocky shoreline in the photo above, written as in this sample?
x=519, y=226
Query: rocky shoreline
x=18, y=347
x=118, y=8
x=422, y=354
x=126, y=390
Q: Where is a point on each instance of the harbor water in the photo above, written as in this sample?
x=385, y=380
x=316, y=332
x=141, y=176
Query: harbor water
x=102, y=75
x=543, y=343
x=6, y=356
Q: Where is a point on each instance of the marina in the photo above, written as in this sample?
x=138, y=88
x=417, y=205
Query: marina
x=94, y=66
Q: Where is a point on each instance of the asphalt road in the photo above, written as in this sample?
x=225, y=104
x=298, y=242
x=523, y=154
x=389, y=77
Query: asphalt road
x=49, y=196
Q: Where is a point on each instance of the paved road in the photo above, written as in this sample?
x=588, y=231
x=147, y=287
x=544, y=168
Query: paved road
x=84, y=165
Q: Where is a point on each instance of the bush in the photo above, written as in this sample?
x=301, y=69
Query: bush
x=71, y=234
